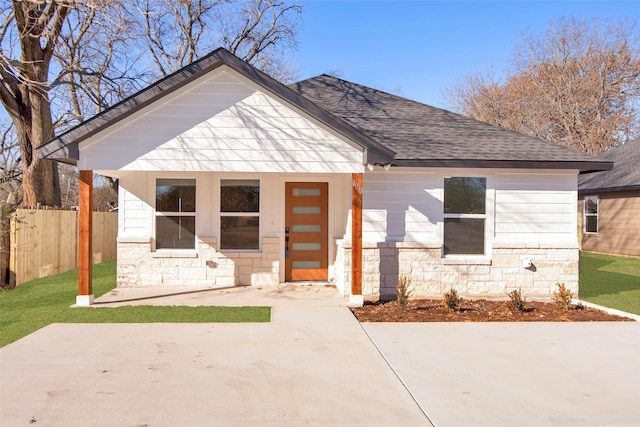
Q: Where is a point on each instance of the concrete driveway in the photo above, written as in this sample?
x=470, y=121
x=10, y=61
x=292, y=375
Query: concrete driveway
x=518, y=374
x=314, y=364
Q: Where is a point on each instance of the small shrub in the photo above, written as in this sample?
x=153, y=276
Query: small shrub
x=562, y=296
x=517, y=302
x=402, y=291
x=451, y=300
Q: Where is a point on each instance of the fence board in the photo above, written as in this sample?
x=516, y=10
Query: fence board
x=45, y=242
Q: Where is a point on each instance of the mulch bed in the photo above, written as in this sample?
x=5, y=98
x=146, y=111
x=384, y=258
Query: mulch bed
x=424, y=310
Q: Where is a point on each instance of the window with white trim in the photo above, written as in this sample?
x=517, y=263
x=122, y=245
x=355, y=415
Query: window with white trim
x=464, y=215
x=591, y=214
x=175, y=213
x=240, y=214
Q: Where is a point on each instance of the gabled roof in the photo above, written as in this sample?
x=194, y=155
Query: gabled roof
x=388, y=127
x=624, y=176
x=422, y=135
x=64, y=148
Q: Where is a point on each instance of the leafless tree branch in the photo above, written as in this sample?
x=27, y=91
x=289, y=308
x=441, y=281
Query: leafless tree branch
x=578, y=84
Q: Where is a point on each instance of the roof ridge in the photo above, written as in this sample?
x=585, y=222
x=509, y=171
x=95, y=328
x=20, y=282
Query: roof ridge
x=621, y=149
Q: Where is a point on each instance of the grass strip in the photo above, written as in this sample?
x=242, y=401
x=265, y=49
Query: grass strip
x=611, y=281
x=38, y=303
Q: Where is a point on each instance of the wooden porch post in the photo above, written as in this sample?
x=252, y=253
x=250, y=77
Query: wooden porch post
x=85, y=237
x=356, y=297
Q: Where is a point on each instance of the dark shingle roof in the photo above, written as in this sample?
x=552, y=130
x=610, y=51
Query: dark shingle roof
x=389, y=128
x=624, y=176
x=422, y=135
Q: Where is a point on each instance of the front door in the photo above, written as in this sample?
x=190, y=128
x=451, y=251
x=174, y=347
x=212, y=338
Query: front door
x=306, y=231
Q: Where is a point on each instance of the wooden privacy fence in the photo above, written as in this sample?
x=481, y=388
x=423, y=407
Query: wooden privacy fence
x=45, y=242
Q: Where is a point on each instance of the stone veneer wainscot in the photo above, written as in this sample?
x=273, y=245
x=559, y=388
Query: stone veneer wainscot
x=477, y=277
x=138, y=265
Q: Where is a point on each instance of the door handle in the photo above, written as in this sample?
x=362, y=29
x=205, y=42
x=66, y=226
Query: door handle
x=286, y=242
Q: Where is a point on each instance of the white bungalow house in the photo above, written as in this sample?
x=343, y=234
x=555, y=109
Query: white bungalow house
x=227, y=177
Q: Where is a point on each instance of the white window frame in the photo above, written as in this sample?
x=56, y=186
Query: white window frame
x=588, y=214
x=182, y=214
x=242, y=214
x=467, y=216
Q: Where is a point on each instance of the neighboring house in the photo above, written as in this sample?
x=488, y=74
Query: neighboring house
x=609, y=204
x=228, y=177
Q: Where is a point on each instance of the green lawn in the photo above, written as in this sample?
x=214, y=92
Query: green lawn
x=611, y=281
x=37, y=303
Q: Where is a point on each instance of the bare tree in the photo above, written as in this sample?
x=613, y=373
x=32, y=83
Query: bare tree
x=96, y=54
x=10, y=170
x=24, y=90
x=105, y=198
x=56, y=62
x=64, y=60
x=259, y=31
x=578, y=85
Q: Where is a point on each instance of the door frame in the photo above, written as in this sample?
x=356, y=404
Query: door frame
x=288, y=277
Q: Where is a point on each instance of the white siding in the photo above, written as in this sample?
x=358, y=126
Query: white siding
x=220, y=123
x=400, y=206
x=535, y=207
x=523, y=206
x=135, y=210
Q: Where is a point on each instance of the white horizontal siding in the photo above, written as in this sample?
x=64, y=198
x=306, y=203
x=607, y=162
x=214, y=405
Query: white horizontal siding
x=134, y=208
x=400, y=207
x=215, y=155
x=220, y=123
x=522, y=206
x=535, y=207
x=531, y=197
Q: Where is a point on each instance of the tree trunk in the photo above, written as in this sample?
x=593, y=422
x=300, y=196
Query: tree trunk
x=5, y=244
x=40, y=182
x=43, y=175
x=25, y=95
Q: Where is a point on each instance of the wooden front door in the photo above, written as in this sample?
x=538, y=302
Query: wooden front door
x=306, y=231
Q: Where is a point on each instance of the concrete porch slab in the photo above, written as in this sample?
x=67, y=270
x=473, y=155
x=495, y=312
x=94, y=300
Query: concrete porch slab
x=289, y=303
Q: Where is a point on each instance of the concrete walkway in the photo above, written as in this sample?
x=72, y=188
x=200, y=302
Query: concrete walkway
x=314, y=364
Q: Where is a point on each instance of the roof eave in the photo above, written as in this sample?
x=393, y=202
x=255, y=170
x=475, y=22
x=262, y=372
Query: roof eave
x=582, y=166
x=588, y=191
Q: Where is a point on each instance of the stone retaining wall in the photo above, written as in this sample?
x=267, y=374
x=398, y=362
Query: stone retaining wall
x=205, y=266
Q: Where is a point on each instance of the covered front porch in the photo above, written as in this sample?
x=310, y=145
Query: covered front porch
x=281, y=238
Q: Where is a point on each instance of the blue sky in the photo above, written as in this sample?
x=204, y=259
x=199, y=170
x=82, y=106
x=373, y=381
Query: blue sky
x=417, y=49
